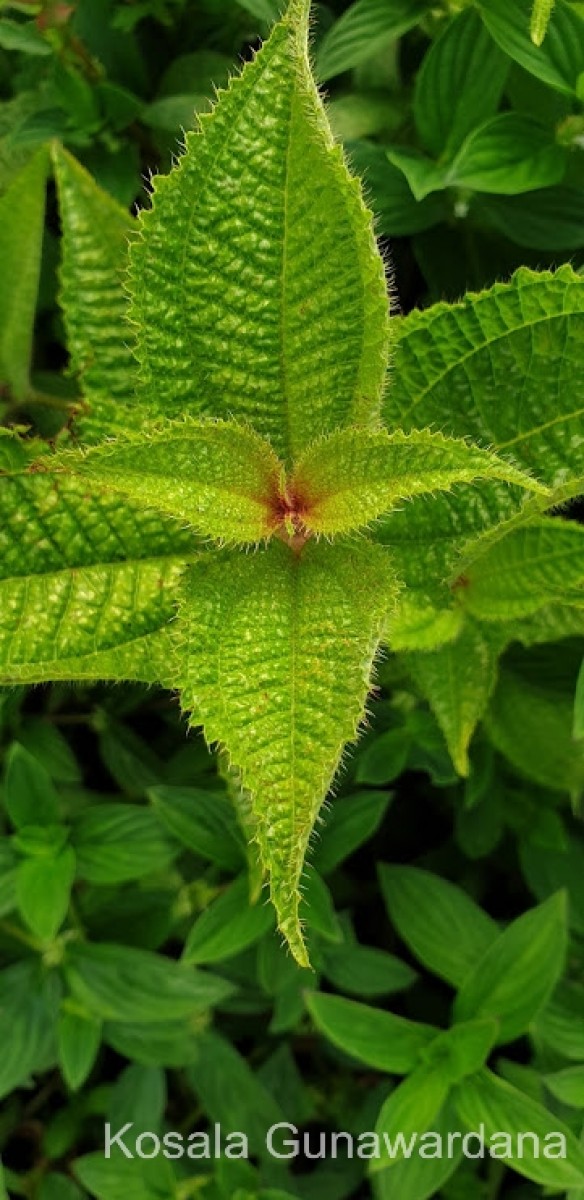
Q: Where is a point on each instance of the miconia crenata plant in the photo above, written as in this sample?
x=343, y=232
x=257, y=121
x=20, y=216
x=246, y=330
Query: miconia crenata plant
x=227, y=514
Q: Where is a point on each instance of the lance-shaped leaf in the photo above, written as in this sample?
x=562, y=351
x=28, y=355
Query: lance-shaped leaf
x=220, y=477
x=277, y=664
x=353, y=476
x=505, y=367
x=246, y=300
x=514, y=575
x=87, y=587
x=458, y=680
x=95, y=237
x=22, y=214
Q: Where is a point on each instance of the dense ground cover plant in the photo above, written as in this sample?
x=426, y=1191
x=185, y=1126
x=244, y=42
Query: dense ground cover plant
x=282, y=541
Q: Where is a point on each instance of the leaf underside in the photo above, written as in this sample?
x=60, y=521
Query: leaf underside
x=277, y=656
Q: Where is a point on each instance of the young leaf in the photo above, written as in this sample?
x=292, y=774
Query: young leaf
x=462, y=1050
x=79, y=1037
x=218, y=476
x=242, y=294
x=443, y=927
x=458, y=680
x=22, y=212
x=79, y=598
x=411, y=1107
x=43, y=888
x=277, y=660
x=363, y=31
x=379, y=1039
x=95, y=245
x=459, y=83
x=229, y=925
x=518, y=972
x=351, y=477
x=485, y=1100
x=492, y=367
x=514, y=575
x=419, y=1178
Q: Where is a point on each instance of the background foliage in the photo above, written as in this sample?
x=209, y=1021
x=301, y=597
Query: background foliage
x=120, y=853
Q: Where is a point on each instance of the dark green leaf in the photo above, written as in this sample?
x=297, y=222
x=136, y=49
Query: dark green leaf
x=29, y=795
x=203, y=821
x=43, y=889
x=115, y=842
x=379, y=1039
x=229, y=925
x=79, y=1037
x=350, y=821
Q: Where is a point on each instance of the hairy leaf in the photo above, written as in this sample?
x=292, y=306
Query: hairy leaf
x=87, y=588
x=242, y=294
x=351, y=477
x=524, y=570
x=22, y=212
x=458, y=680
x=277, y=661
x=218, y=476
x=494, y=367
x=95, y=249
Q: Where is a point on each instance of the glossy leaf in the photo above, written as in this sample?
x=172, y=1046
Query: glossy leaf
x=235, y=317
x=380, y=1039
x=518, y=972
x=365, y=29
x=559, y=60
x=459, y=84
x=297, y=638
x=443, y=927
x=485, y=1100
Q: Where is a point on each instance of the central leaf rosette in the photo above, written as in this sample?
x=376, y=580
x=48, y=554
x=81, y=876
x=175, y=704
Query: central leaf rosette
x=260, y=325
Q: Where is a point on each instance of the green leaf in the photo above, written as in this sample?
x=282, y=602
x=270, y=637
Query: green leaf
x=366, y=971
x=317, y=910
x=22, y=213
x=532, y=727
x=550, y=219
x=560, y=60
x=518, y=972
x=79, y=600
x=236, y=317
x=561, y=1023
x=548, y=868
x=219, y=477
x=23, y=36
x=459, y=84
x=507, y=155
x=228, y=926
x=27, y=1023
x=346, y=480
x=385, y=757
x=139, y=1095
x=79, y=1038
x=119, y=1178
x=458, y=680
x=485, y=1100
x=567, y=1086
x=203, y=821
x=58, y=1187
x=462, y=1050
x=578, y=725
x=29, y=795
x=153, y=1044
x=297, y=636
x=231, y=1094
x=443, y=927
x=95, y=240
x=493, y=368
x=363, y=31
x=379, y=1039
x=514, y=575
x=116, y=842
x=43, y=889
x=396, y=210
x=350, y=821
x=419, y=1178
x=412, y=1107
x=119, y=983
